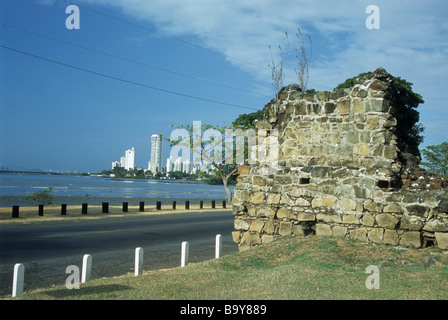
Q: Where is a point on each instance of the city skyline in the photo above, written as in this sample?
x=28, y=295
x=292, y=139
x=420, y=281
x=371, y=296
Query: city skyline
x=127, y=161
x=134, y=68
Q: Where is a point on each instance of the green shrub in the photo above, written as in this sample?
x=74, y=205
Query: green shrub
x=42, y=197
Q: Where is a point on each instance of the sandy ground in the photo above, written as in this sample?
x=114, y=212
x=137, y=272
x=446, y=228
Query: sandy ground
x=30, y=214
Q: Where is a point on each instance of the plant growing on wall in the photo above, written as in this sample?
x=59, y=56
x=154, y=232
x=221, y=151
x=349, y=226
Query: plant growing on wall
x=405, y=103
x=303, y=59
x=277, y=69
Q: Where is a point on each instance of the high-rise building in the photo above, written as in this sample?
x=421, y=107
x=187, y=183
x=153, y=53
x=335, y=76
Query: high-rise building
x=156, y=153
x=169, y=164
x=186, y=166
x=130, y=159
x=178, y=164
x=127, y=161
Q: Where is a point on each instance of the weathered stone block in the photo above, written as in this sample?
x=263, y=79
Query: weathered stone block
x=257, y=198
x=344, y=106
x=259, y=180
x=300, y=202
x=290, y=153
x=273, y=198
x=257, y=226
x=285, y=228
x=323, y=95
x=358, y=105
x=350, y=219
x=286, y=200
x=244, y=169
x=239, y=224
x=390, y=237
x=297, y=230
x=236, y=236
x=241, y=195
x=339, y=231
x=375, y=105
x=435, y=226
x=359, y=234
x=267, y=238
x=376, y=235
x=329, y=218
x=390, y=152
x=304, y=216
x=353, y=137
x=372, y=123
x=300, y=108
x=368, y=219
x=442, y=240
x=323, y=230
x=392, y=207
x=266, y=212
x=411, y=239
x=284, y=213
x=346, y=204
x=373, y=206
x=269, y=227
x=411, y=223
x=378, y=85
x=387, y=221
x=320, y=172
x=417, y=210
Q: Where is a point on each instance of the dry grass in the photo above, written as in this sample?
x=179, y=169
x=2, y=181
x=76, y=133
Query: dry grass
x=286, y=269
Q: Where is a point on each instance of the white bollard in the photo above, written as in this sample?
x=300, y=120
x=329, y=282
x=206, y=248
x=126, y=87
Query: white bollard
x=86, y=268
x=184, y=254
x=18, y=280
x=218, y=246
x=138, y=261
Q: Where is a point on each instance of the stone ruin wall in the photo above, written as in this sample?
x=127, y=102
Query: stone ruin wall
x=340, y=173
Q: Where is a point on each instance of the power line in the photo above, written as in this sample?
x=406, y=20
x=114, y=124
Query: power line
x=180, y=40
x=122, y=58
x=123, y=80
x=164, y=35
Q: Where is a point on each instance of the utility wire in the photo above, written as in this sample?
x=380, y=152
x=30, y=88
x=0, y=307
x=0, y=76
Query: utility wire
x=180, y=40
x=164, y=35
x=123, y=80
x=121, y=58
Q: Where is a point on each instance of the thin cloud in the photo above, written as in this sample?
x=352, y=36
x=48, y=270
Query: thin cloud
x=411, y=42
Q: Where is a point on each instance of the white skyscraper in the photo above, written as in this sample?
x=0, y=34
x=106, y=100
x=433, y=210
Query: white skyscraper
x=130, y=159
x=169, y=164
x=186, y=166
x=156, y=153
x=178, y=164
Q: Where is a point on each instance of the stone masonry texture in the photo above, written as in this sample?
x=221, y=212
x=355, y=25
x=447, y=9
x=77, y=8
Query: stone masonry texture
x=340, y=173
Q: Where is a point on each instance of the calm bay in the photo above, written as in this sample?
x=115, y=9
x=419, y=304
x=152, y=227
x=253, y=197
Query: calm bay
x=76, y=189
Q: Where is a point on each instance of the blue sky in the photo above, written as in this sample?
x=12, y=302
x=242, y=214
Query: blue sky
x=54, y=116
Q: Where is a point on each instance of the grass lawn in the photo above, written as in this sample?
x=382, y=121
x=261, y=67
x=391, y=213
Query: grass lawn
x=285, y=269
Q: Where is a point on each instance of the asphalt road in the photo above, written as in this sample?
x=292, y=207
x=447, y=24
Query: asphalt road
x=46, y=249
